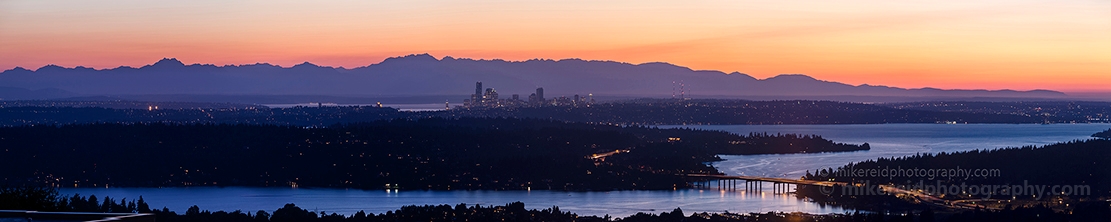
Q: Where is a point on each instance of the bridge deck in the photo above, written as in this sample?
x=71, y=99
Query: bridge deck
x=926, y=198
x=769, y=179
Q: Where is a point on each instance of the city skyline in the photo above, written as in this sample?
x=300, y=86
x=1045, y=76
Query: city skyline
x=490, y=99
x=1020, y=45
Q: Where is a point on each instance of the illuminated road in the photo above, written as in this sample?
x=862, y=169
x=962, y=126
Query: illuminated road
x=926, y=198
x=603, y=156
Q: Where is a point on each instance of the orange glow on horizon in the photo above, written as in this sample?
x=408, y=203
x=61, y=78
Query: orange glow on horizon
x=1020, y=45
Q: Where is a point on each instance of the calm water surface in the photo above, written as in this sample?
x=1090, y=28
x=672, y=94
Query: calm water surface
x=349, y=201
x=891, y=140
x=887, y=140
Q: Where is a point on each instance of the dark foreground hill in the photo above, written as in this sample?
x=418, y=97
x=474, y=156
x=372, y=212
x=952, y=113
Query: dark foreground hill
x=488, y=154
x=40, y=199
x=1060, y=176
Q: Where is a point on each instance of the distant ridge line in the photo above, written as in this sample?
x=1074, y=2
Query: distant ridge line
x=424, y=74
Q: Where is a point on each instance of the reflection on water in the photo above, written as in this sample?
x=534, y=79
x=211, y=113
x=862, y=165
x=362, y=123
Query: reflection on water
x=349, y=201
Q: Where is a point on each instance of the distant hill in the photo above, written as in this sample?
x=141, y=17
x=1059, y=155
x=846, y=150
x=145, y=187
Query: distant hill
x=425, y=75
x=15, y=93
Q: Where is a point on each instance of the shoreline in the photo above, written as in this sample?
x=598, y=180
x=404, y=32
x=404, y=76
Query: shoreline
x=614, y=203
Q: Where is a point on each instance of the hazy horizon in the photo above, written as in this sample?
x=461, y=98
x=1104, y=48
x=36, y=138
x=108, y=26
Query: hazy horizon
x=1020, y=45
x=170, y=58
x=425, y=75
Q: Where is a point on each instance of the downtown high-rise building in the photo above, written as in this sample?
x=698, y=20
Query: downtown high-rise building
x=478, y=88
x=540, y=94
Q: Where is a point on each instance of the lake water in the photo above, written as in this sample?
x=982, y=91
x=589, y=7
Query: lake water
x=886, y=140
x=349, y=201
x=892, y=140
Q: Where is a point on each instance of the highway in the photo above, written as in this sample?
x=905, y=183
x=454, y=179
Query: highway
x=603, y=156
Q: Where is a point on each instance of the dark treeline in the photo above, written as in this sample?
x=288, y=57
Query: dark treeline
x=1083, y=166
x=47, y=199
x=423, y=154
x=490, y=154
x=1106, y=134
x=1068, y=163
x=721, y=142
x=638, y=112
x=763, y=143
x=1049, y=111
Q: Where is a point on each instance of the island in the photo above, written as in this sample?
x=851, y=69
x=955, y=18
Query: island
x=764, y=143
x=1106, y=134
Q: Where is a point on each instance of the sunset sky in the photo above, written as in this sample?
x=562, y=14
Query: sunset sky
x=1060, y=45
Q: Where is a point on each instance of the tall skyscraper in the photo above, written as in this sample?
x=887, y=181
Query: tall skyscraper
x=478, y=89
x=540, y=94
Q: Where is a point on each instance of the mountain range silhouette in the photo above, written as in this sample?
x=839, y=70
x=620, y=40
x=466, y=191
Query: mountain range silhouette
x=425, y=75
